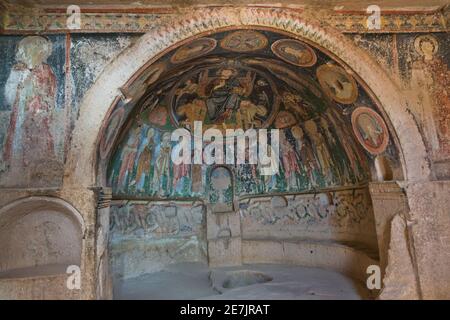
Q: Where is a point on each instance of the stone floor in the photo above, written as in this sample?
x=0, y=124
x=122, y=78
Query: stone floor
x=271, y=282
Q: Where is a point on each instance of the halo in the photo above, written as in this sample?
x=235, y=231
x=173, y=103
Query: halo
x=418, y=41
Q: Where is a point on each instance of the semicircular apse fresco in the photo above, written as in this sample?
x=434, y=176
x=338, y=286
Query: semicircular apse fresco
x=330, y=130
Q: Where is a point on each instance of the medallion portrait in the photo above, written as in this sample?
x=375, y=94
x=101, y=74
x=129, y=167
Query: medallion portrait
x=194, y=50
x=370, y=130
x=294, y=52
x=244, y=41
x=337, y=83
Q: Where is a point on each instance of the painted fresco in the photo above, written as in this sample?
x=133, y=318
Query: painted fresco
x=194, y=49
x=337, y=84
x=259, y=85
x=228, y=97
x=32, y=111
x=424, y=69
x=39, y=102
x=294, y=52
x=370, y=130
x=244, y=41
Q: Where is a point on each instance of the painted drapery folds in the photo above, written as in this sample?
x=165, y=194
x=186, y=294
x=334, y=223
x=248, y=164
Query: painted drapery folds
x=32, y=134
x=330, y=129
x=426, y=76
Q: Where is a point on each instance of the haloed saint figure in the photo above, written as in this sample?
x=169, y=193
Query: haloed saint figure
x=30, y=92
x=224, y=93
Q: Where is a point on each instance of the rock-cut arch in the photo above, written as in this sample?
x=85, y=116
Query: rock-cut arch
x=81, y=167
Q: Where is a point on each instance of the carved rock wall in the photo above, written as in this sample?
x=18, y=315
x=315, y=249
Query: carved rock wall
x=146, y=236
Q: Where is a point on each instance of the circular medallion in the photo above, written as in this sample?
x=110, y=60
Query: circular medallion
x=244, y=41
x=370, y=130
x=294, y=52
x=194, y=49
x=337, y=83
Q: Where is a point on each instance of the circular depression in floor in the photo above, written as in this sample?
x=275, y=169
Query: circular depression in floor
x=248, y=282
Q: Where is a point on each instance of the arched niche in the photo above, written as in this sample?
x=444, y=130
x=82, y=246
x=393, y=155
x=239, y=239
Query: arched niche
x=330, y=131
x=86, y=166
x=39, y=236
x=83, y=165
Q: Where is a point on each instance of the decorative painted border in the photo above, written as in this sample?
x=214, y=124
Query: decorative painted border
x=144, y=20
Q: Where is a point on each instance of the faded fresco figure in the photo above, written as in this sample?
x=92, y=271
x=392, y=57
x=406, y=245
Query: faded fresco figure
x=127, y=159
x=144, y=161
x=308, y=160
x=323, y=154
x=224, y=92
x=246, y=115
x=290, y=161
x=357, y=161
x=191, y=112
x=430, y=80
x=294, y=52
x=162, y=165
x=335, y=148
x=30, y=91
x=370, y=130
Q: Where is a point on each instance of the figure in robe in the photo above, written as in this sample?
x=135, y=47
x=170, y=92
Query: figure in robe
x=127, y=158
x=162, y=165
x=336, y=152
x=294, y=102
x=356, y=157
x=430, y=80
x=179, y=171
x=323, y=154
x=30, y=91
x=191, y=112
x=307, y=157
x=247, y=113
x=290, y=161
x=224, y=92
x=144, y=160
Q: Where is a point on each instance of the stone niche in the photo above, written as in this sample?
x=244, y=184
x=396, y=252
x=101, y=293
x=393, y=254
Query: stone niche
x=333, y=230
x=40, y=237
x=339, y=216
x=147, y=236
